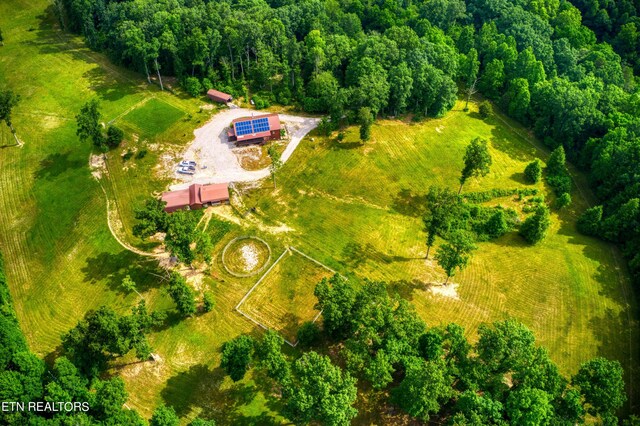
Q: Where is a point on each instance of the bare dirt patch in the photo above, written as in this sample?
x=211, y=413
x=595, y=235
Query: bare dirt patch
x=449, y=290
x=97, y=165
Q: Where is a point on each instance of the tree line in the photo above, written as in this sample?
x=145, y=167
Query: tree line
x=431, y=373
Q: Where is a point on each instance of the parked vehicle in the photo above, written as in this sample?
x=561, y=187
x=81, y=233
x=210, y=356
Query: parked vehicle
x=185, y=171
x=185, y=163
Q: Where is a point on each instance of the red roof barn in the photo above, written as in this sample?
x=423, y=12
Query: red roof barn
x=217, y=96
x=195, y=196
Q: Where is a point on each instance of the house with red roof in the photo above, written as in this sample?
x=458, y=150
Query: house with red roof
x=195, y=197
x=255, y=129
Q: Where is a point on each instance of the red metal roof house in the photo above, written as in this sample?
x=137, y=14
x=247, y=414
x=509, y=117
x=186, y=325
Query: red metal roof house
x=255, y=130
x=195, y=197
x=217, y=96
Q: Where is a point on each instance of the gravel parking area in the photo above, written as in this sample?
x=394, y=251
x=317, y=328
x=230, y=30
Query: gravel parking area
x=213, y=152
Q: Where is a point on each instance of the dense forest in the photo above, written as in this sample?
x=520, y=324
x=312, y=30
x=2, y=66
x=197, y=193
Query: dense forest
x=565, y=70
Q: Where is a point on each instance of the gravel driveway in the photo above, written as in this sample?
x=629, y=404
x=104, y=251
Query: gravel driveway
x=212, y=150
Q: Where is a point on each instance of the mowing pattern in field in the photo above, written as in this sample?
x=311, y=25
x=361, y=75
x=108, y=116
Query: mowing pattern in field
x=359, y=204
x=153, y=118
x=284, y=299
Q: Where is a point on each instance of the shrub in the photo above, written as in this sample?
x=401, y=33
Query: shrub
x=115, y=135
x=485, y=109
x=589, y=221
x=563, y=200
x=127, y=156
x=141, y=154
x=206, y=84
x=560, y=183
x=533, y=171
x=308, y=334
x=260, y=102
x=534, y=228
x=496, y=225
x=207, y=301
x=192, y=86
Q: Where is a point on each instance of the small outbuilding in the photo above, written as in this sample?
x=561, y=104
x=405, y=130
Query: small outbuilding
x=217, y=96
x=195, y=197
x=255, y=130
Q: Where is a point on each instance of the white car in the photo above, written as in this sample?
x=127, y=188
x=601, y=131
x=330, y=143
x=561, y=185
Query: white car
x=185, y=171
x=185, y=163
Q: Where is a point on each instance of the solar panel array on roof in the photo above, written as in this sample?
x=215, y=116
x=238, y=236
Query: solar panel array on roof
x=260, y=125
x=252, y=126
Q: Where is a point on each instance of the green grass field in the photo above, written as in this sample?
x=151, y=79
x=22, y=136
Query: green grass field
x=284, y=298
x=571, y=290
x=152, y=118
x=352, y=207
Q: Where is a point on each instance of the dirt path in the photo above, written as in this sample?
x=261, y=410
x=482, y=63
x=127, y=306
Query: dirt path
x=213, y=151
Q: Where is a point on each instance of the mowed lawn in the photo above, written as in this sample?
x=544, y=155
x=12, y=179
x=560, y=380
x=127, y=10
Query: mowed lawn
x=355, y=207
x=152, y=118
x=284, y=299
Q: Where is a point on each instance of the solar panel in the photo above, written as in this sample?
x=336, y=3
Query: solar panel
x=252, y=126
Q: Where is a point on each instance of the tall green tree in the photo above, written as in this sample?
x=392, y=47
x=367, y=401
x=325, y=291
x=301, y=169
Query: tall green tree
x=8, y=100
x=181, y=233
x=236, y=356
x=477, y=161
x=88, y=121
x=319, y=391
x=182, y=294
x=365, y=118
x=425, y=388
x=439, y=212
x=600, y=382
x=455, y=254
x=164, y=416
x=336, y=298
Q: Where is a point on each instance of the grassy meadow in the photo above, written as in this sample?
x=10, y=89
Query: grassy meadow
x=354, y=207
x=284, y=298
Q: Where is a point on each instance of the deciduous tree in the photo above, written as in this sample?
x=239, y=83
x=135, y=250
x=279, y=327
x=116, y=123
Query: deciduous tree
x=455, y=254
x=477, y=160
x=236, y=356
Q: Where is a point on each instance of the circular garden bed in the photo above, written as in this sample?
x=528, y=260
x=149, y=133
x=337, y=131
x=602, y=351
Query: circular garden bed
x=246, y=256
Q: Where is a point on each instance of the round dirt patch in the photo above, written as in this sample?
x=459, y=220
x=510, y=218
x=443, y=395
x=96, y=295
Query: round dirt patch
x=246, y=256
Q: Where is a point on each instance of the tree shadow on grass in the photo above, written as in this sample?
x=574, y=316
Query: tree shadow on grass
x=336, y=144
x=406, y=288
x=409, y=204
x=201, y=387
x=56, y=164
x=113, y=267
x=501, y=141
x=355, y=254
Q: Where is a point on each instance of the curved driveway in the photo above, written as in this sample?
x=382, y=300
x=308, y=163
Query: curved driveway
x=212, y=150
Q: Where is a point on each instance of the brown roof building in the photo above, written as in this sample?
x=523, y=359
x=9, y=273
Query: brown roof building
x=195, y=197
x=217, y=96
x=255, y=130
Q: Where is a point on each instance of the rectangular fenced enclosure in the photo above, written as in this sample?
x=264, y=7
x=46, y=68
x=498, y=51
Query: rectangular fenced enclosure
x=283, y=298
